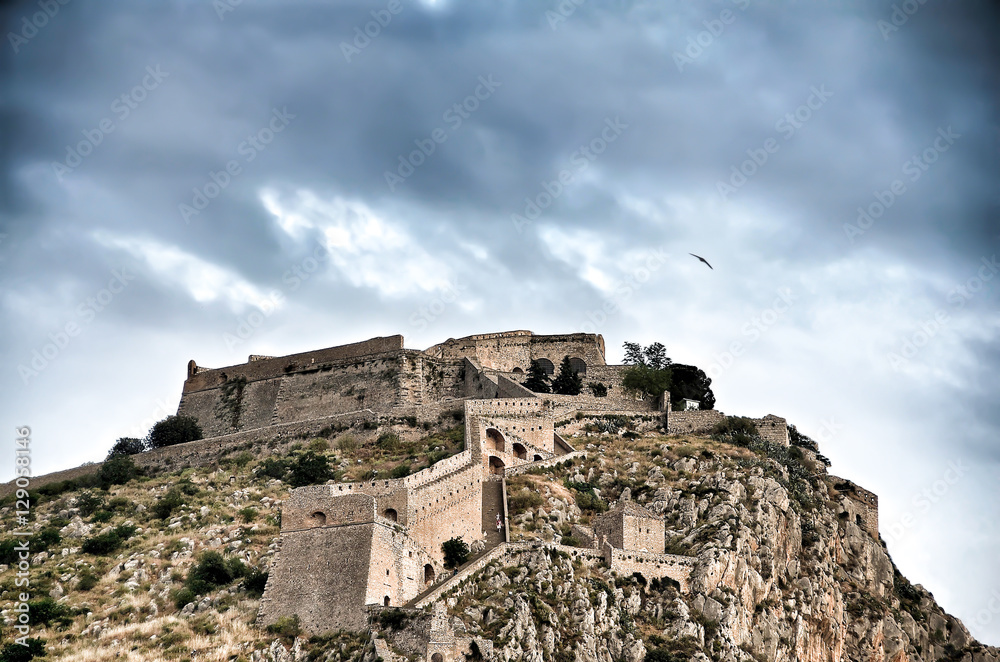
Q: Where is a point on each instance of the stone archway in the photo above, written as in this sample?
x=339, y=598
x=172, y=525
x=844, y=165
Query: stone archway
x=537, y=457
x=391, y=515
x=318, y=518
x=386, y=601
x=437, y=657
x=518, y=371
x=428, y=574
x=547, y=366
x=496, y=466
x=495, y=440
x=578, y=365
x=520, y=452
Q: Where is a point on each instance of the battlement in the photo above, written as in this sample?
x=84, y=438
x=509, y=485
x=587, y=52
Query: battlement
x=860, y=505
x=260, y=367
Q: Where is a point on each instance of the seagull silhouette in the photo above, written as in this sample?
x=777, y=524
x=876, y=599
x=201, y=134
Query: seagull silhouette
x=703, y=260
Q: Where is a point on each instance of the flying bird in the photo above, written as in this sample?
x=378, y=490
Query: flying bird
x=703, y=260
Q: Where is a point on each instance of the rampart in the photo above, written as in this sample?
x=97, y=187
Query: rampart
x=696, y=421
x=860, y=505
x=507, y=351
x=259, y=368
x=651, y=566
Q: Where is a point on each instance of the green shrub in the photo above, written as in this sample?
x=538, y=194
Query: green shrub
x=211, y=571
x=126, y=446
x=319, y=445
x=348, y=443
x=248, y=514
x=273, y=468
x=598, y=389
x=117, y=470
x=167, y=504
x=309, y=469
x=388, y=441
x=89, y=503
x=401, y=471
x=174, y=430
x=104, y=544
x=46, y=610
x=88, y=580
x=13, y=652
x=456, y=552
x=286, y=626
x=255, y=581
x=102, y=516
x=523, y=500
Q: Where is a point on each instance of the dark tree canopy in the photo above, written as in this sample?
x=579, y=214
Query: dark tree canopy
x=537, y=380
x=127, y=446
x=174, y=430
x=456, y=552
x=691, y=382
x=310, y=469
x=568, y=381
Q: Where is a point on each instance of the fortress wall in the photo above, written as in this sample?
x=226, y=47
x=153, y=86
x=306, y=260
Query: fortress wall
x=321, y=575
x=586, y=346
x=297, y=513
x=643, y=534
x=641, y=421
x=424, y=379
x=696, y=421
x=396, y=567
x=652, y=566
x=268, y=368
x=773, y=428
x=368, y=383
x=508, y=388
x=859, y=503
x=257, y=406
x=478, y=384
x=565, y=405
x=448, y=507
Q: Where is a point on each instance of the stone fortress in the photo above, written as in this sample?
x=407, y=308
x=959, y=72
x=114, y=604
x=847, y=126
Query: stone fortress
x=348, y=548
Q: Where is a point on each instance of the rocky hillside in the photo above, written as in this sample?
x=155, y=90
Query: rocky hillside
x=171, y=566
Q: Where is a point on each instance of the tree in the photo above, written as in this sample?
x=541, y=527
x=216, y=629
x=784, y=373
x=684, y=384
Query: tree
x=656, y=356
x=117, y=470
x=310, y=469
x=633, y=354
x=691, y=382
x=173, y=430
x=568, y=381
x=127, y=446
x=537, y=380
x=646, y=380
x=456, y=552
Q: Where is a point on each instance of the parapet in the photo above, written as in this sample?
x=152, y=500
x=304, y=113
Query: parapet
x=261, y=367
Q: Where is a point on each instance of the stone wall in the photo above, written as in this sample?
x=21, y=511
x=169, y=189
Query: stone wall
x=651, y=566
x=266, y=368
x=773, y=428
x=696, y=421
x=860, y=504
x=516, y=349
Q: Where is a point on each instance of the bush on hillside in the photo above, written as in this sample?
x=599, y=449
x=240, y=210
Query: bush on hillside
x=174, y=430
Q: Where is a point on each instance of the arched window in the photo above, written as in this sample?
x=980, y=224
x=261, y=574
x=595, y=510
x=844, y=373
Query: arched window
x=547, y=366
x=390, y=514
x=386, y=601
x=437, y=657
x=494, y=440
x=578, y=365
x=518, y=371
x=537, y=457
x=318, y=519
x=496, y=466
x=520, y=452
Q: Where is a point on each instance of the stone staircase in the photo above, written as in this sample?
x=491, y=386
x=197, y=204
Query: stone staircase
x=492, y=506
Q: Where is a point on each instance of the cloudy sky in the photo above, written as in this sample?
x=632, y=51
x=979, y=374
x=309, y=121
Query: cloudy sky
x=198, y=179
